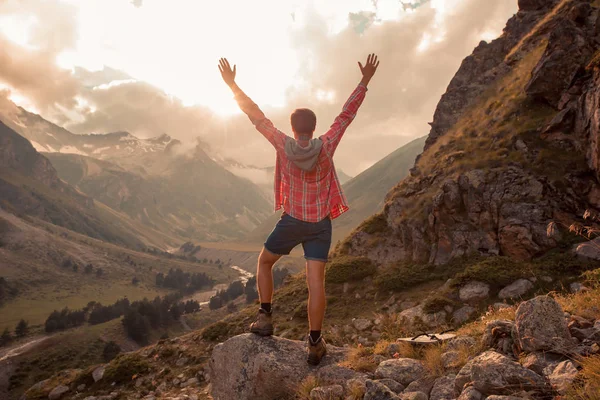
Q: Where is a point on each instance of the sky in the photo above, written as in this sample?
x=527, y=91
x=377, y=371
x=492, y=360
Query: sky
x=150, y=66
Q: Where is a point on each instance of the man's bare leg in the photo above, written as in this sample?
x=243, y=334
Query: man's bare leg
x=264, y=275
x=263, y=325
x=315, y=279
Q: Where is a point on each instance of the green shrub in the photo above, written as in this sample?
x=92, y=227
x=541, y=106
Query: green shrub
x=124, y=367
x=495, y=271
x=557, y=263
x=349, y=268
x=216, y=331
x=403, y=275
x=376, y=224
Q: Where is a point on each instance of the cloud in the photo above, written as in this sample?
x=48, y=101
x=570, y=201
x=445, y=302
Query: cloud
x=420, y=51
x=137, y=3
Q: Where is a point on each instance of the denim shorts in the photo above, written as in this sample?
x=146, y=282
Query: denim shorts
x=289, y=232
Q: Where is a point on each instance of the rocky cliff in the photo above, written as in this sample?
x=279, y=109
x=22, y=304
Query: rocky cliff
x=513, y=146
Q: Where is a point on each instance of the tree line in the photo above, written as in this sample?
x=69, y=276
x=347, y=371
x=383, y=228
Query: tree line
x=185, y=282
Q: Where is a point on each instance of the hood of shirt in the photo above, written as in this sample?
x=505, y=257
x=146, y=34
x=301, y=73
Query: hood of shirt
x=304, y=158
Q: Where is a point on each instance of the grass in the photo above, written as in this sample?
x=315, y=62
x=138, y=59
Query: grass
x=361, y=359
x=125, y=367
x=587, y=386
x=432, y=359
x=306, y=386
x=377, y=224
x=348, y=268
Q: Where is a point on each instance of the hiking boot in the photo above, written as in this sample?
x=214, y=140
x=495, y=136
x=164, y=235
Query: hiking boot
x=263, y=326
x=316, y=350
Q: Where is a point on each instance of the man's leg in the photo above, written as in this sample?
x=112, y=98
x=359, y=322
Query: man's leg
x=264, y=276
x=315, y=279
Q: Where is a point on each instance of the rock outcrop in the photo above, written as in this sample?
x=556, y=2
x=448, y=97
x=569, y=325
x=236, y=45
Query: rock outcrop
x=248, y=367
x=460, y=201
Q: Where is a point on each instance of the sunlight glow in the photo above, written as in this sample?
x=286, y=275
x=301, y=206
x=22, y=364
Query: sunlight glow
x=17, y=29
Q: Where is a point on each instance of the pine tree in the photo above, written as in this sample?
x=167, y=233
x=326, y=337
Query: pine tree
x=22, y=328
x=6, y=337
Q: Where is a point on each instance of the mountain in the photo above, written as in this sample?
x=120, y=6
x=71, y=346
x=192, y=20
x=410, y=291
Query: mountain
x=48, y=137
x=365, y=192
x=513, y=148
x=185, y=194
x=192, y=198
x=30, y=186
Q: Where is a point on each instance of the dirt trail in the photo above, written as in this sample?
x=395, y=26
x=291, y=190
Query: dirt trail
x=19, y=349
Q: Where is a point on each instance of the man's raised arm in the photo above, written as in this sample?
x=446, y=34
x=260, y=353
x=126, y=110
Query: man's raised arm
x=254, y=113
x=332, y=138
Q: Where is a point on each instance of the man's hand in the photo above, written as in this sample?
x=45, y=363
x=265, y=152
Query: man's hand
x=369, y=69
x=227, y=73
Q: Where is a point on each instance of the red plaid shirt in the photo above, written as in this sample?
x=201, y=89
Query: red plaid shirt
x=314, y=195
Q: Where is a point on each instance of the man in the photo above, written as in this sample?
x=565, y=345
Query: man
x=308, y=189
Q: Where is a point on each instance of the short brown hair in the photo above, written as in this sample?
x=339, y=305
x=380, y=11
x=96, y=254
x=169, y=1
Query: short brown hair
x=303, y=121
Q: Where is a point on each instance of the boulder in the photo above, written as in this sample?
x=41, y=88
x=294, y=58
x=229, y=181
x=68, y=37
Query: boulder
x=540, y=326
x=57, y=392
x=493, y=373
x=563, y=376
x=443, y=388
x=98, y=373
x=362, y=324
x=470, y=393
x=402, y=370
x=460, y=342
x=589, y=249
x=577, y=287
x=423, y=385
x=474, y=291
x=392, y=385
x=496, y=397
x=332, y=392
x=249, y=367
x=463, y=314
x=538, y=362
x=378, y=391
x=498, y=336
x=337, y=375
x=516, y=289
x=451, y=359
x=464, y=377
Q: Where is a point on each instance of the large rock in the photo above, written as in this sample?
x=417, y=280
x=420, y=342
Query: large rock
x=251, y=367
x=474, y=291
x=540, y=362
x=332, y=392
x=498, y=336
x=563, y=376
x=402, y=370
x=58, y=392
x=470, y=393
x=540, y=326
x=378, y=391
x=98, y=373
x=589, y=249
x=516, y=289
x=443, y=388
x=493, y=373
x=463, y=314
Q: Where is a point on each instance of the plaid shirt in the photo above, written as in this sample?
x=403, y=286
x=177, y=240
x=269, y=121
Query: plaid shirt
x=307, y=196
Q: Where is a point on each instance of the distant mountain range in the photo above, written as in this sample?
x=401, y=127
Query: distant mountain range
x=186, y=195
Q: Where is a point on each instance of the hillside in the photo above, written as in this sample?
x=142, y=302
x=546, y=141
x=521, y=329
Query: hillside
x=174, y=202
x=365, y=192
x=513, y=147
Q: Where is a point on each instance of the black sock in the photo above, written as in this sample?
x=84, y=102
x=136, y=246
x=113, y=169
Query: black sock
x=266, y=307
x=315, y=335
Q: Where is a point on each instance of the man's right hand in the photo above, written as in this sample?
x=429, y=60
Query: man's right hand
x=227, y=73
x=369, y=69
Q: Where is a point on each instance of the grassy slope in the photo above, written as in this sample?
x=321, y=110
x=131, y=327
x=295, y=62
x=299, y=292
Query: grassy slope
x=32, y=257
